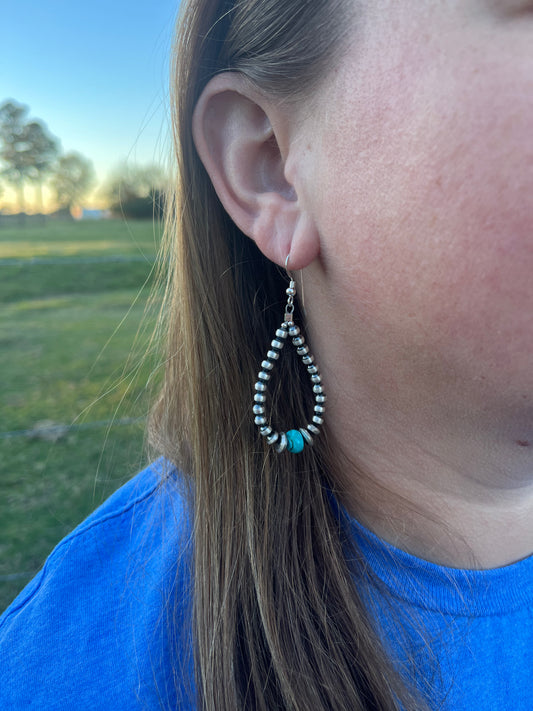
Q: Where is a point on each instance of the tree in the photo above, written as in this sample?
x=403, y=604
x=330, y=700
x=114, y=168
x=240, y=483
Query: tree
x=72, y=179
x=138, y=191
x=42, y=151
x=14, y=147
x=27, y=150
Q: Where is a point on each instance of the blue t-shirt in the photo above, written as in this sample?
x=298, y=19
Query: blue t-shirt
x=107, y=623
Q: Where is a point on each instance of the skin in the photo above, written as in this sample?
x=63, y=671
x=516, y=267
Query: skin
x=404, y=189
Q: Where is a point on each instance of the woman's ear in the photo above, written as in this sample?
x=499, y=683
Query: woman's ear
x=243, y=142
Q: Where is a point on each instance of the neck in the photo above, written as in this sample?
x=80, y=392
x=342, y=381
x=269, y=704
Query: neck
x=434, y=435
x=451, y=496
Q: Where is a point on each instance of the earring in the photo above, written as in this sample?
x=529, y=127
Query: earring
x=296, y=439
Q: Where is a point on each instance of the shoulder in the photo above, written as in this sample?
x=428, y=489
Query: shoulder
x=107, y=599
x=148, y=515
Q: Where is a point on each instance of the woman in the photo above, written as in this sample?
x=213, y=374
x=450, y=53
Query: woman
x=381, y=153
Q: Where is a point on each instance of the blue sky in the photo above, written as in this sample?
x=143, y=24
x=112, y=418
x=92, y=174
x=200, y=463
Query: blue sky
x=95, y=72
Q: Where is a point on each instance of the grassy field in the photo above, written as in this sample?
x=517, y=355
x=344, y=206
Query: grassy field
x=74, y=334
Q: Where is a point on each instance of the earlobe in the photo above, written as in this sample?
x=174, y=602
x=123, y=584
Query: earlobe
x=242, y=140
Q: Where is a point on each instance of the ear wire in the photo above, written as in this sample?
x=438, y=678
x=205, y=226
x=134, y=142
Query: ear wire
x=291, y=278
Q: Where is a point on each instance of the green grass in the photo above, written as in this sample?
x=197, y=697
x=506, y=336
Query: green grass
x=55, y=239
x=73, y=346
x=30, y=281
x=72, y=358
x=50, y=487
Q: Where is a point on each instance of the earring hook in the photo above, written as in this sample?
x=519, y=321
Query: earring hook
x=289, y=273
x=293, y=280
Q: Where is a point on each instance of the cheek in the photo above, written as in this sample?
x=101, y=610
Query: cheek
x=427, y=206
x=469, y=237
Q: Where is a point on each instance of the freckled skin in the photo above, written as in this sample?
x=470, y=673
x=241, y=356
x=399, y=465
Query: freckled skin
x=420, y=307
x=424, y=190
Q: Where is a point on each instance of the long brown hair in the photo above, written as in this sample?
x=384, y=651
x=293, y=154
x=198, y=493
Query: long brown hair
x=279, y=623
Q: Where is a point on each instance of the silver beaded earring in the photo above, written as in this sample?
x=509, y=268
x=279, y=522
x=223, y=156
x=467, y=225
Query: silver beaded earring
x=296, y=439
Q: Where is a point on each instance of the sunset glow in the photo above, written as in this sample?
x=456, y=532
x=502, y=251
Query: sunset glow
x=96, y=74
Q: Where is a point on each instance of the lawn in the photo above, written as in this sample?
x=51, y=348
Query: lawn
x=74, y=355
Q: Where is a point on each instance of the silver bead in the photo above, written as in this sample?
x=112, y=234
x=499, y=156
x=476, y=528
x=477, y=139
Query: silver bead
x=318, y=420
x=290, y=292
x=260, y=387
x=282, y=333
x=259, y=410
x=273, y=355
x=278, y=345
x=267, y=365
x=314, y=430
x=258, y=397
x=316, y=379
x=281, y=446
x=307, y=437
x=294, y=331
x=265, y=431
x=302, y=350
x=312, y=369
x=319, y=409
x=260, y=421
x=318, y=390
x=321, y=398
x=271, y=439
x=264, y=376
x=308, y=359
x=299, y=341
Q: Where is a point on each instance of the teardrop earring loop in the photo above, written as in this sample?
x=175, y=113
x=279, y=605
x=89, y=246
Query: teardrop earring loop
x=294, y=440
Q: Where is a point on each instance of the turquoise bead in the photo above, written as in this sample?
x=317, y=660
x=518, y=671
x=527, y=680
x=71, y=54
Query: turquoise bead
x=295, y=441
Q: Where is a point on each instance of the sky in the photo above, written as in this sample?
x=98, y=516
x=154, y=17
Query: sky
x=95, y=72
